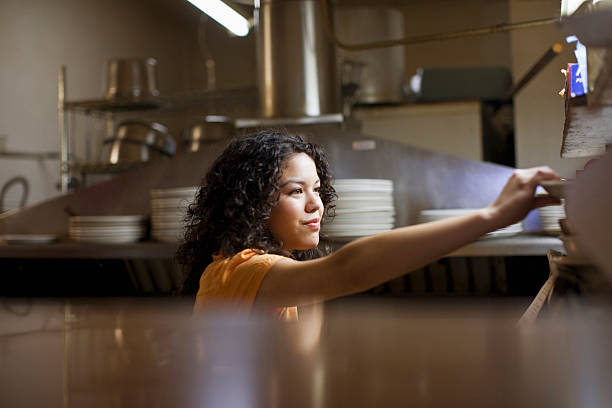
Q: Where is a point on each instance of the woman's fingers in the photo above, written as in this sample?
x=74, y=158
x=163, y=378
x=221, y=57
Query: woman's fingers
x=538, y=174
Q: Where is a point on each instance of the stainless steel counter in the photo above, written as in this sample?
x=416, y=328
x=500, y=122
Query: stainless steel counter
x=76, y=250
x=519, y=245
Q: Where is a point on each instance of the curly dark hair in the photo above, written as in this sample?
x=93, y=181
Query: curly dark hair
x=232, y=207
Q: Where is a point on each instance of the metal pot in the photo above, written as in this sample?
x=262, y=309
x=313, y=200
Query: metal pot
x=131, y=78
x=210, y=129
x=138, y=141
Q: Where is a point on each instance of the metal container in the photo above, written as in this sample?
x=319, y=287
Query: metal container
x=208, y=130
x=138, y=141
x=296, y=62
x=131, y=78
x=381, y=75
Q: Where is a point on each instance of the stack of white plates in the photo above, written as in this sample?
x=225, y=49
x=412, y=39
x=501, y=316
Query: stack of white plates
x=117, y=229
x=364, y=207
x=435, y=215
x=550, y=216
x=168, y=210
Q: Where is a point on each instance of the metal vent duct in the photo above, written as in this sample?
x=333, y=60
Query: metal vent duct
x=296, y=63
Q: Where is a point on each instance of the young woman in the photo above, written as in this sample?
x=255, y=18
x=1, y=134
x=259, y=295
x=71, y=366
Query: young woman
x=253, y=230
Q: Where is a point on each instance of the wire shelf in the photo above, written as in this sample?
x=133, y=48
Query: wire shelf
x=105, y=168
x=228, y=101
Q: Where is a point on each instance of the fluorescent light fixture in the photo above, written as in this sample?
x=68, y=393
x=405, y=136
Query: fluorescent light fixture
x=224, y=15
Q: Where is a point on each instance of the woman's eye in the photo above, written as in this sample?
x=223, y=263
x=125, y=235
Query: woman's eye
x=317, y=190
x=296, y=191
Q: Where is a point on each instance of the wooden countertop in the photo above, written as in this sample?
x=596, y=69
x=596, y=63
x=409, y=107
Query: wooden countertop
x=101, y=353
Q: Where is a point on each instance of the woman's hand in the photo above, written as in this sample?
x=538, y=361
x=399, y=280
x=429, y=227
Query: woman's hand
x=518, y=196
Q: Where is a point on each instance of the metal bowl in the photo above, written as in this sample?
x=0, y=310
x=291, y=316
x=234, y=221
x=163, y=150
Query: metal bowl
x=131, y=78
x=138, y=141
x=208, y=130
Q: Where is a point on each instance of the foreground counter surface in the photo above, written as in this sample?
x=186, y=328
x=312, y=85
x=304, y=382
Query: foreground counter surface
x=119, y=353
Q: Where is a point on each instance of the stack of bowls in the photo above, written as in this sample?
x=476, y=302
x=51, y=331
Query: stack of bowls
x=550, y=216
x=440, y=214
x=364, y=207
x=112, y=229
x=168, y=210
x=138, y=141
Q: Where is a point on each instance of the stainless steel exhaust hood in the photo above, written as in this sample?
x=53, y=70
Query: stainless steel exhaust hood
x=297, y=70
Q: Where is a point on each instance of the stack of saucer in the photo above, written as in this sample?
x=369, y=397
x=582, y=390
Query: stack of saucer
x=440, y=214
x=550, y=216
x=168, y=210
x=364, y=207
x=116, y=229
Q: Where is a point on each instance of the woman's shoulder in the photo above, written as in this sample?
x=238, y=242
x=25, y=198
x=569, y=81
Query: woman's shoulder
x=244, y=265
x=248, y=256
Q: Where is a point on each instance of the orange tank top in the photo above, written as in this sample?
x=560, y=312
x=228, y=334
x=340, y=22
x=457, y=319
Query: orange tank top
x=235, y=281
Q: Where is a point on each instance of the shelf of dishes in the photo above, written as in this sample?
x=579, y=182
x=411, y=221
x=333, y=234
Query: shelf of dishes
x=358, y=199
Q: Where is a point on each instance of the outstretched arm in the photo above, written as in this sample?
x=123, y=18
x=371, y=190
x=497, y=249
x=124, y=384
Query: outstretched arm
x=369, y=261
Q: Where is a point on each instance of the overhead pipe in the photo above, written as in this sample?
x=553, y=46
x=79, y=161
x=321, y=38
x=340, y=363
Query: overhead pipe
x=418, y=39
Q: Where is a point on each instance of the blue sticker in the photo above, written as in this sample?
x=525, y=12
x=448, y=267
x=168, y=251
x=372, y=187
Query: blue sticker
x=577, y=87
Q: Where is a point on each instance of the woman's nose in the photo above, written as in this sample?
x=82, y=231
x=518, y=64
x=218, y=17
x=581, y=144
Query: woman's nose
x=313, y=202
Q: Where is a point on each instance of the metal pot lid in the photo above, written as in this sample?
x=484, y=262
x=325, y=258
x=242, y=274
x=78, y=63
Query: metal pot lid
x=218, y=119
x=153, y=125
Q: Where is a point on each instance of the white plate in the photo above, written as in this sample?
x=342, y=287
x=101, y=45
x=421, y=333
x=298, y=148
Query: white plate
x=354, y=189
x=382, y=209
x=108, y=228
x=27, y=238
x=353, y=234
x=355, y=226
x=179, y=231
x=388, y=199
x=167, y=225
x=362, y=204
x=345, y=238
x=187, y=192
x=105, y=219
x=167, y=217
x=358, y=231
x=168, y=212
x=361, y=182
x=138, y=233
x=440, y=214
x=170, y=206
x=107, y=240
x=354, y=218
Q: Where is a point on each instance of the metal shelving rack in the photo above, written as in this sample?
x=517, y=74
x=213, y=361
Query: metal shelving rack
x=230, y=102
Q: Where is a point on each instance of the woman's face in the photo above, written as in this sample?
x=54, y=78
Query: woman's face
x=296, y=219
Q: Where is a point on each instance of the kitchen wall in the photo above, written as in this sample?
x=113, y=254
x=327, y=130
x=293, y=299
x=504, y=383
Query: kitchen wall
x=37, y=36
x=538, y=110
x=443, y=16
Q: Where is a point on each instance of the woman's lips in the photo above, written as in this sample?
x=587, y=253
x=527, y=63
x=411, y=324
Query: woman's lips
x=315, y=224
